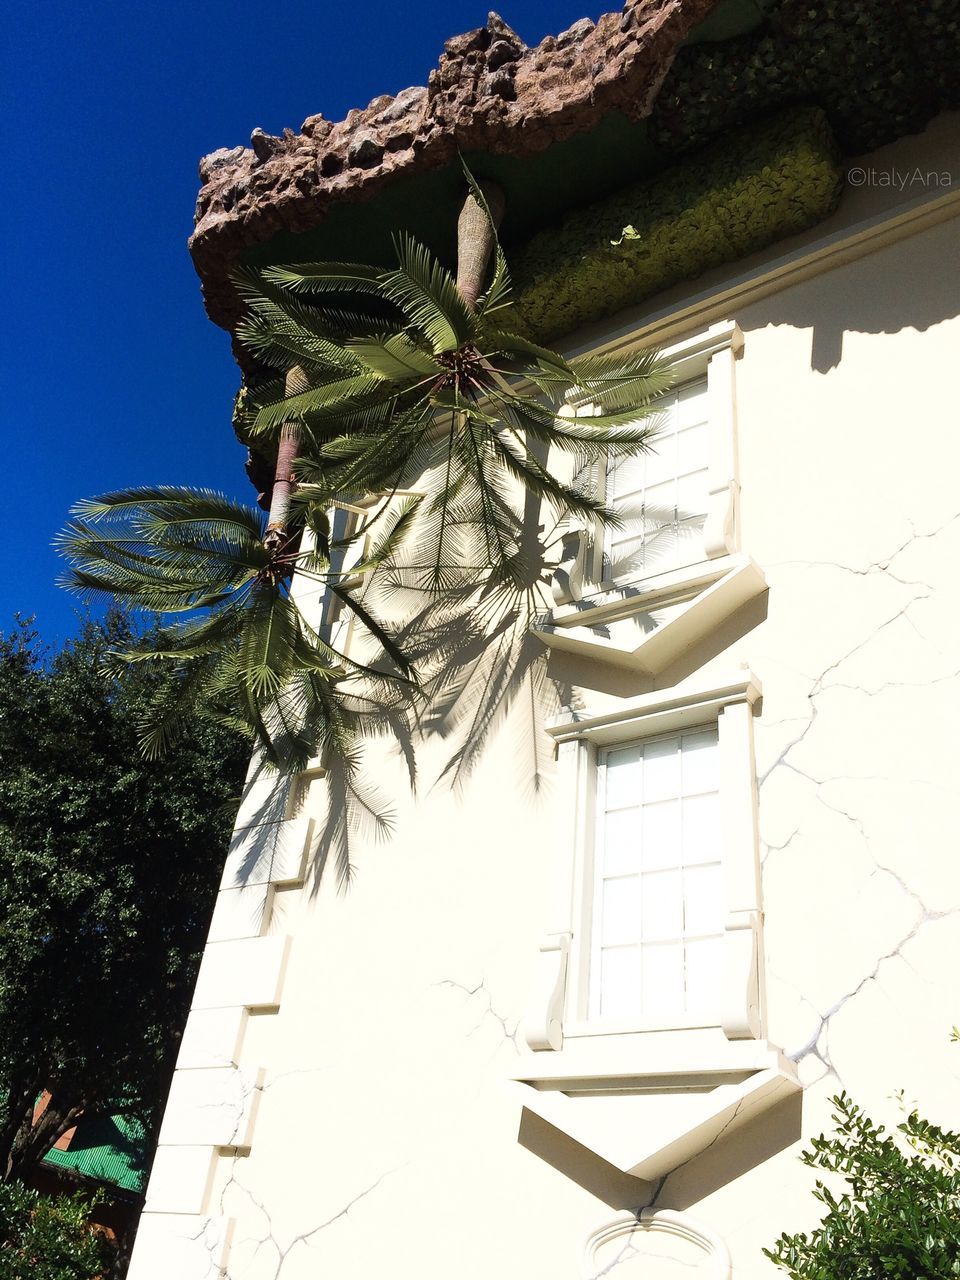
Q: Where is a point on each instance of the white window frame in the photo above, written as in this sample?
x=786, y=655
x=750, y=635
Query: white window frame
x=711, y=353
x=559, y=1011
x=667, y=406
x=593, y=895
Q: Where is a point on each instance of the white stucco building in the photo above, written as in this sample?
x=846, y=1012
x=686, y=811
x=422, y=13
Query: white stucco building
x=586, y=1029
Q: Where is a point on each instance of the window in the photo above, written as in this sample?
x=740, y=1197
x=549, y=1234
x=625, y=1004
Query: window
x=657, y=923
x=637, y=596
x=658, y=917
x=646, y=1014
x=663, y=496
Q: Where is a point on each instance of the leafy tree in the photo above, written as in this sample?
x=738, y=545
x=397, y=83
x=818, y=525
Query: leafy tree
x=367, y=379
x=48, y=1237
x=900, y=1214
x=108, y=869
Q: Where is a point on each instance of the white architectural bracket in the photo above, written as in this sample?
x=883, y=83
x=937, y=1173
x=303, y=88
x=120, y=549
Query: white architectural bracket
x=543, y=1027
x=646, y=629
x=660, y=1120
x=741, y=1005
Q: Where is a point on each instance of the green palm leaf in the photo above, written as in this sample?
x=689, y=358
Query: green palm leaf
x=395, y=359
x=326, y=277
x=428, y=297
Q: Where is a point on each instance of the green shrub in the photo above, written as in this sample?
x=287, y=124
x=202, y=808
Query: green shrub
x=766, y=183
x=900, y=1214
x=48, y=1237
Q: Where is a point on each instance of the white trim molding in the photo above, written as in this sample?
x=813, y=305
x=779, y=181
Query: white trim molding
x=666, y=1221
x=212, y=1107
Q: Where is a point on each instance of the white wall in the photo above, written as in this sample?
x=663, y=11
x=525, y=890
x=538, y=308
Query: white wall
x=386, y=1142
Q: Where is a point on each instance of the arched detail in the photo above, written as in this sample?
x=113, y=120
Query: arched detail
x=668, y=1222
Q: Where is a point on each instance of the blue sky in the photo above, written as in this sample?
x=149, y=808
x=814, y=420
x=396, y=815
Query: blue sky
x=112, y=375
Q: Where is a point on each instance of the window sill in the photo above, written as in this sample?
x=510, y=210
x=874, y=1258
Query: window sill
x=647, y=1119
x=645, y=627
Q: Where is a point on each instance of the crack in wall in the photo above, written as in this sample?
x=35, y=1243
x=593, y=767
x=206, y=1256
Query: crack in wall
x=731, y=1119
x=490, y=1011
x=629, y=1250
x=269, y=1238
x=818, y=1044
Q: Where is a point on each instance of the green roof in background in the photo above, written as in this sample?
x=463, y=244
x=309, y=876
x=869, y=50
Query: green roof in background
x=107, y=1149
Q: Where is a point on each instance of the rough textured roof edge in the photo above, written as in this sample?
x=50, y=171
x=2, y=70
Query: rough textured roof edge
x=489, y=93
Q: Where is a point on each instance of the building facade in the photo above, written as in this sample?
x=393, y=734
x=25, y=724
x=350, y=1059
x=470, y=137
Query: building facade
x=581, y=1012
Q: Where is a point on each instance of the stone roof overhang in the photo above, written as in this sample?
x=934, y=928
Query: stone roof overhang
x=568, y=122
x=490, y=96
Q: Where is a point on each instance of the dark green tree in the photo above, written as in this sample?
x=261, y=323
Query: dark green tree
x=108, y=869
x=899, y=1215
x=48, y=1237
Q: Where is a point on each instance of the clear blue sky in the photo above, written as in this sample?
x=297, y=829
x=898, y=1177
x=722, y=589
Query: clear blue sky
x=112, y=375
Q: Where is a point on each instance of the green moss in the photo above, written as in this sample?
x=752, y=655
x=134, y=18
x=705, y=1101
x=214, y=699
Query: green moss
x=767, y=182
x=879, y=69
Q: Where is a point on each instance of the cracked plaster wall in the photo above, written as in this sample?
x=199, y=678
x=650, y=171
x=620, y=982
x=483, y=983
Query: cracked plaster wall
x=385, y=1143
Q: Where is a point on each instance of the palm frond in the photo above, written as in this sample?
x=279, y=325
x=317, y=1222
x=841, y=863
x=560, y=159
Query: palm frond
x=428, y=296
x=326, y=277
x=623, y=381
x=395, y=358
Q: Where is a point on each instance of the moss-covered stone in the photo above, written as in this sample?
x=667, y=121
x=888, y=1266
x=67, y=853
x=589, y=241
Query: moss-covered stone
x=879, y=69
x=768, y=182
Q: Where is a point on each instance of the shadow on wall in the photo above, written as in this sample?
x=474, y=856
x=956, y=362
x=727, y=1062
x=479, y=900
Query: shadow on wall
x=582, y=1166
x=721, y=1163
x=733, y=1155
x=907, y=285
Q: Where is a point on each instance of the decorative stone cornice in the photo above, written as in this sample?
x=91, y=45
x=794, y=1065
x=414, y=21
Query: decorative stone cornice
x=490, y=93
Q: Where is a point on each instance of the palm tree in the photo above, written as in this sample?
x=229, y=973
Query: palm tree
x=249, y=654
x=390, y=376
x=380, y=379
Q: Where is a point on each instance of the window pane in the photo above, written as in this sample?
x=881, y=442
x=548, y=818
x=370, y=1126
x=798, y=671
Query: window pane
x=701, y=828
x=651, y=490
x=700, y=762
x=692, y=494
x=703, y=899
x=620, y=981
x=692, y=403
x=661, y=835
x=661, y=770
x=621, y=910
x=704, y=975
x=661, y=503
x=661, y=979
x=623, y=777
x=627, y=477
x=692, y=450
x=662, y=905
x=621, y=842
x=662, y=462
x=659, y=880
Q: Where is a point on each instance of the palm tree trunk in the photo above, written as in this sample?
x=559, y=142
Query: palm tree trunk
x=291, y=434
x=475, y=239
